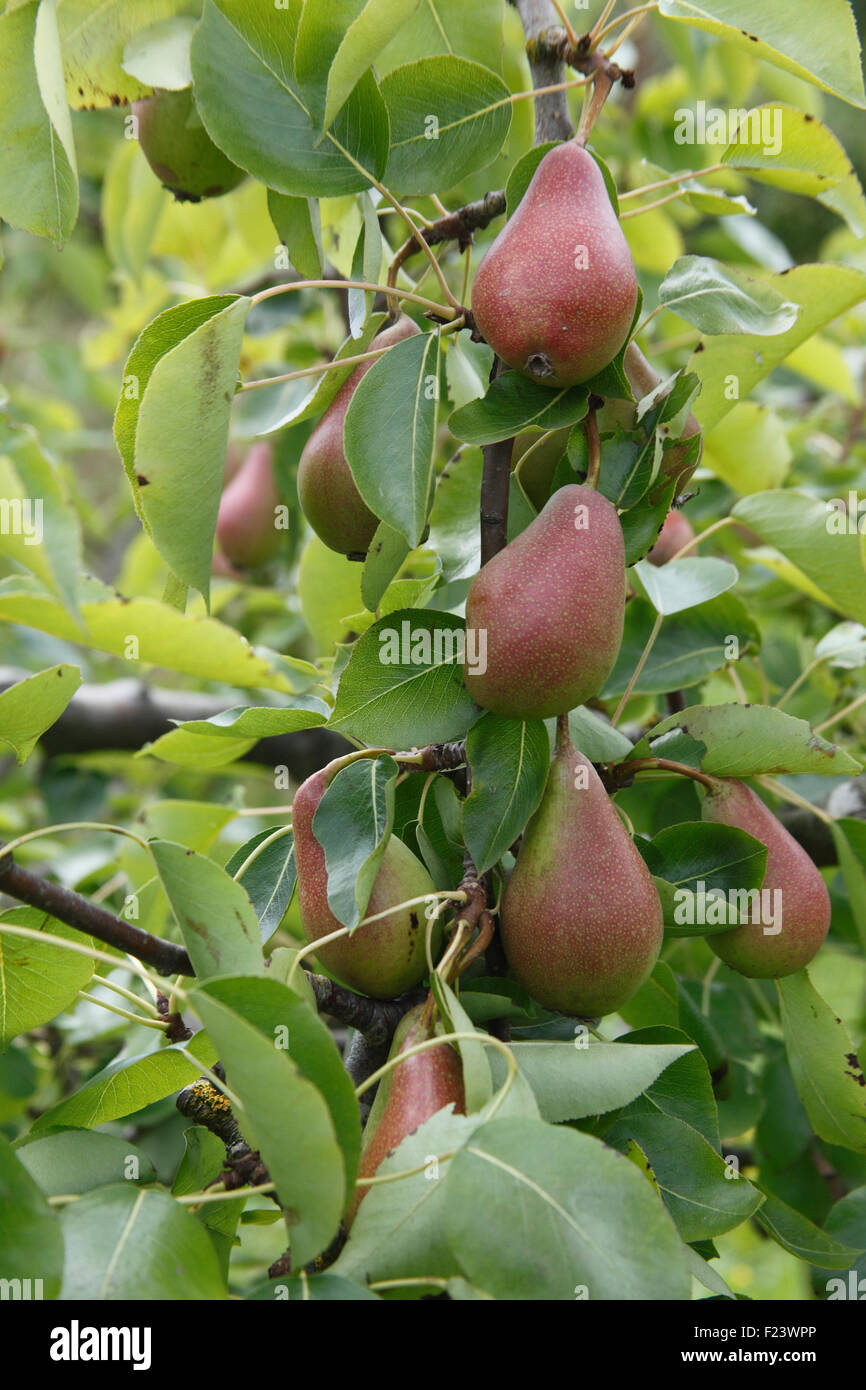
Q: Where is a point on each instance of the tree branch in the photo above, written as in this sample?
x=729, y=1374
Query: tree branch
x=552, y=121
x=126, y=714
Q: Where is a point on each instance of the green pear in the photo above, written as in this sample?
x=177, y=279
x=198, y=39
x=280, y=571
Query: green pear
x=676, y=532
x=410, y=1094
x=581, y=920
x=245, y=529
x=329, y=498
x=534, y=456
x=387, y=957
x=556, y=293
x=179, y=150
x=803, y=916
x=546, y=613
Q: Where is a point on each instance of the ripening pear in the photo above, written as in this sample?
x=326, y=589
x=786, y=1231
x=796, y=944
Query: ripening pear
x=245, y=530
x=534, y=456
x=388, y=956
x=581, y=920
x=803, y=902
x=548, y=610
x=410, y=1094
x=556, y=293
x=329, y=498
x=676, y=532
x=179, y=150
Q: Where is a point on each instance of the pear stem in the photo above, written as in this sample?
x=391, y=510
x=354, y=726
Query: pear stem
x=667, y=765
x=637, y=670
x=599, y=34
x=842, y=714
x=785, y=794
x=443, y=310
x=124, y=1013
x=666, y=183
x=593, y=442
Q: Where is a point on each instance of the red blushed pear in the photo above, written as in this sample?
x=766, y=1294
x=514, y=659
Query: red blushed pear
x=802, y=894
x=246, y=522
x=387, y=957
x=550, y=608
x=676, y=532
x=412, y=1093
x=329, y=498
x=581, y=922
x=555, y=295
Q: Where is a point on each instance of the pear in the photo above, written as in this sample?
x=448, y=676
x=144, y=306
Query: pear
x=329, y=498
x=802, y=893
x=387, y=957
x=179, y=150
x=581, y=920
x=410, y=1094
x=534, y=456
x=556, y=293
x=676, y=532
x=245, y=529
x=550, y=608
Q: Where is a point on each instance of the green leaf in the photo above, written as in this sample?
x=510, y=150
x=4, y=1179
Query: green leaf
x=449, y=27
x=289, y=1023
x=123, y=1242
x=94, y=38
x=741, y=360
x=201, y=1165
x=825, y=1068
x=747, y=741
x=30, y=1235
x=688, y=648
x=683, y=1091
x=214, y=742
x=270, y=879
x=683, y=584
x=31, y=706
x=399, y=1230
x=219, y=925
x=448, y=118
x=847, y=1223
x=509, y=759
x=299, y=226
x=749, y=449
x=697, y=853
x=573, y=1080
x=286, y=1118
x=39, y=177
x=385, y=557
x=816, y=537
x=403, y=686
x=695, y=1182
x=513, y=403
x=474, y=1057
x=353, y=823
x=159, y=56
x=803, y=156
x=172, y=427
x=252, y=108
x=80, y=1159
x=147, y=631
x=827, y=54
x=594, y=736
x=587, y=1215
x=129, y=1084
x=39, y=529
x=133, y=202
x=717, y=299
x=849, y=837
x=390, y=434
x=337, y=42
x=797, y=1234
x=37, y=981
